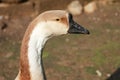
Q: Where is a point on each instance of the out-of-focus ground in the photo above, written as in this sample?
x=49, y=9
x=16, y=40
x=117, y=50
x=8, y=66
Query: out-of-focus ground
x=70, y=57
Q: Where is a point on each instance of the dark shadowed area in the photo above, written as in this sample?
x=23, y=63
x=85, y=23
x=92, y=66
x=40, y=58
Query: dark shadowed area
x=70, y=57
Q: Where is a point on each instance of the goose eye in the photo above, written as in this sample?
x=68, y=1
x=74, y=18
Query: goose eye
x=57, y=19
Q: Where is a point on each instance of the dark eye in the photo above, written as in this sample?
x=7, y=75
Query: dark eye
x=57, y=19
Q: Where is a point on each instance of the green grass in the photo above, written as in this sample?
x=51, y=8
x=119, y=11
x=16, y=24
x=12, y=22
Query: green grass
x=104, y=53
x=63, y=69
x=45, y=54
x=9, y=46
x=90, y=70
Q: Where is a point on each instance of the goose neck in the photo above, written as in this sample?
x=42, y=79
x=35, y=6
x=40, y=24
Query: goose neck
x=35, y=47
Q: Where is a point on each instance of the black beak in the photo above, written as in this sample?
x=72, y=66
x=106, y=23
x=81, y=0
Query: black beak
x=75, y=28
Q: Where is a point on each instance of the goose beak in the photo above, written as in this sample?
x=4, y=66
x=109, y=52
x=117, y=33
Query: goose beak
x=75, y=28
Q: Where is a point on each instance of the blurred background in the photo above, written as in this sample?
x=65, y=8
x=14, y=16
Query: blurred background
x=70, y=57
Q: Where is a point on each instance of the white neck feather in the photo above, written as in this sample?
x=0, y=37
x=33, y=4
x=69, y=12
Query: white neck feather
x=35, y=46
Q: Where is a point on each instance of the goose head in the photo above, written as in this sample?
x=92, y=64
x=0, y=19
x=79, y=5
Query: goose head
x=58, y=22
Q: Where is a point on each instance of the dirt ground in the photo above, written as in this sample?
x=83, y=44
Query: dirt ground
x=83, y=57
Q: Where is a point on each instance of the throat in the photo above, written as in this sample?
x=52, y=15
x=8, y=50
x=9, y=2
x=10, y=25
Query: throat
x=35, y=48
x=31, y=66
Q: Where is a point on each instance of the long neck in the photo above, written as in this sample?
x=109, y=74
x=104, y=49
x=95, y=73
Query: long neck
x=31, y=67
x=35, y=47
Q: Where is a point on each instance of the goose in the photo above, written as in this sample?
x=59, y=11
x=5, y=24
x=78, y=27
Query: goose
x=46, y=25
